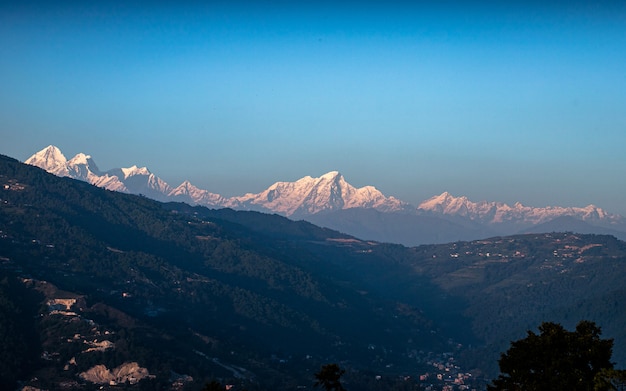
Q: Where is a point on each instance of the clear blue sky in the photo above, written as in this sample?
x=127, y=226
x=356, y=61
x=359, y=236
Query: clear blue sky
x=498, y=101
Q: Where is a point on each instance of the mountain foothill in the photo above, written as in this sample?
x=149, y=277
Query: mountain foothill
x=101, y=288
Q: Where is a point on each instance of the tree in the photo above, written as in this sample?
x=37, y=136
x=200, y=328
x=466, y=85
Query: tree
x=329, y=377
x=556, y=359
x=610, y=379
x=213, y=386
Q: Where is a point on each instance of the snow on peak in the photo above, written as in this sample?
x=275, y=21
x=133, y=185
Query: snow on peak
x=331, y=175
x=437, y=203
x=498, y=212
x=80, y=158
x=134, y=170
x=137, y=180
x=187, y=185
x=185, y=188
x=50, y=159
x=50, y=153
x=310, y=195
x=191, y=194
x=305, y=196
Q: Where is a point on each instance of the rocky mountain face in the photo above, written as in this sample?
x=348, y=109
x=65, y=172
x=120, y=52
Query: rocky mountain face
x=325, y=201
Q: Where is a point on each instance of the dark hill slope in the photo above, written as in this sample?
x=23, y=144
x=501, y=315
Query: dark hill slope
x=262, y=301
x=514, y=283
x=180, y=287
x=505, y=285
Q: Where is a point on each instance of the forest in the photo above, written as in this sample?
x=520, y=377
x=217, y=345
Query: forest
x=260, y=301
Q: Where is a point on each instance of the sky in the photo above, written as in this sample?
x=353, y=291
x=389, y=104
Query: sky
x=499, y=101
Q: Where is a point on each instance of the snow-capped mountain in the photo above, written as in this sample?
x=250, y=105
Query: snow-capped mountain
x=303, y=197
x=50, y=159
x=331, y=201
x=308, y=196
x=190, y=194
x=499, y=213
x=135, y=180
x=82, y=166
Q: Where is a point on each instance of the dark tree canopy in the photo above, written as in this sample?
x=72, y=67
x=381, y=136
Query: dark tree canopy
x=555, y=359
x=611, y=379
x=329, y=377
x=214, y=385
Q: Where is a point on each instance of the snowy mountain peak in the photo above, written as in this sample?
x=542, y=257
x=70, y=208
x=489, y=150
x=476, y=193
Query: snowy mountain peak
x=187, y=185
x=498, y=212
x=187, y=192
x=134, y=170
x=137, y=180
x=310, y=195
x=50, y=153
x=83, y=166
x=50, y=159
x=332, y=175
x=186, y=188
x=80, y=158
x=438, y=203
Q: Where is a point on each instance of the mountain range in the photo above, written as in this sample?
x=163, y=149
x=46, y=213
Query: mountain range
x=330, y=201
x=100, y=286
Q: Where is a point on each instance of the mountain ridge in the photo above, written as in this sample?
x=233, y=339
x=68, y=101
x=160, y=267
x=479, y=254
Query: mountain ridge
x=320, y=199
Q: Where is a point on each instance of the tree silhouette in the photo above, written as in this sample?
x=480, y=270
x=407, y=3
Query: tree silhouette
x=329, y=377
x=213, y=386
x=610, y=379
x=556, y=359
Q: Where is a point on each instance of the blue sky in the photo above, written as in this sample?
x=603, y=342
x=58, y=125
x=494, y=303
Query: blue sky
x=499, y=101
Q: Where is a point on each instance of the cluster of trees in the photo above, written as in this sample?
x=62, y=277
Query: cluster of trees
x=557, y=359
x=554, y=359
x=19, y=347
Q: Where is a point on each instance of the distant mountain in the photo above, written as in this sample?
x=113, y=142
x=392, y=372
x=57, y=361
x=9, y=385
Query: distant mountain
x=190, y=194
x=506, y=220
x=573, y=224
x=398, y=227
x=310, y=196
x=304, y=197
x=332, y=202
x=134, y=180
x=498, y=213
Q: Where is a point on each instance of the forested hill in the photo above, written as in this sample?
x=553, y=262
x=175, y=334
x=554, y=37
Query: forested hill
x=185, y=295
x=199, y=294
x=512, y=284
